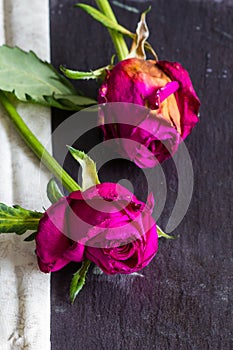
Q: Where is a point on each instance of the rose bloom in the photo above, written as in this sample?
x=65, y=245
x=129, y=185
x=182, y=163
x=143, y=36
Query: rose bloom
x=106, y=224
x=171, y=107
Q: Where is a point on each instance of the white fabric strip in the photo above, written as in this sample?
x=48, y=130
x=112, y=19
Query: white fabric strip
x=24, y=291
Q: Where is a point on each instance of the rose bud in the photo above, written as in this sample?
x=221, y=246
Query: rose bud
x=170, y=104
x=117, y=230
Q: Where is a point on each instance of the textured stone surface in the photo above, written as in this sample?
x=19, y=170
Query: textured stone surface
x=184, y=299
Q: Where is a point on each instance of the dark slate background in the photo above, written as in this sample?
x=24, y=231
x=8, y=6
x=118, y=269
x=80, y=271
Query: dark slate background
x=184, y=299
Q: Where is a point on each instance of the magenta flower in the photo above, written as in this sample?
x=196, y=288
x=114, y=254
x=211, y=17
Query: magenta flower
x=172, y=105
x=53, y=248
x=106, y=224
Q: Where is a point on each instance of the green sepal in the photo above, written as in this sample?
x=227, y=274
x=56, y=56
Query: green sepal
x=78, y=75
x=78, y=280
x=17, y=219
x=53, y=191
x=161, y=233
x=147, y=10
x=29, y=78
x=112, y=60
x=89, y=172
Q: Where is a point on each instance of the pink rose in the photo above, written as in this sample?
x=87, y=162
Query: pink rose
x=106, y=224
x=53, y=248
x=172, y=105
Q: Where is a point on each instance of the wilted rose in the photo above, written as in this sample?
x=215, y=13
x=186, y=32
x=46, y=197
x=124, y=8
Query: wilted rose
x=106, y=224
x=171, y=108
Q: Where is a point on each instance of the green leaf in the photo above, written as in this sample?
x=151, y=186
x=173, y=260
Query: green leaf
x=31, y=237
x=52, y=102
x=161, y=233
x=75, y=100
x=108, y=23
x=78, y=280
x=53, y=191
x=29, y=78
x=78, y=75
x=18, y=220
x=69, y=102
x=89, y=172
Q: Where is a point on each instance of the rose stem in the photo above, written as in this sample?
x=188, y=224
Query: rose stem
x=117, y=38
x=30, y=139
